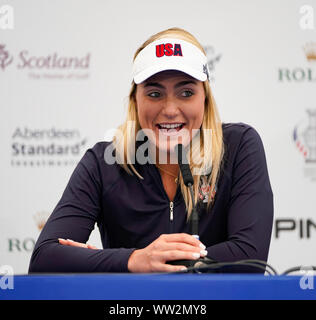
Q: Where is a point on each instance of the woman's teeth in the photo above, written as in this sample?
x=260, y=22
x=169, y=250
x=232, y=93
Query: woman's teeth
x=168, y=126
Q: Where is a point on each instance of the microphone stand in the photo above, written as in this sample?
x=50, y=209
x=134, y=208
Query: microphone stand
x=194, y=218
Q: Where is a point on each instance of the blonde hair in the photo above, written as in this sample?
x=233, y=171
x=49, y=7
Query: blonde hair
x=212, y=144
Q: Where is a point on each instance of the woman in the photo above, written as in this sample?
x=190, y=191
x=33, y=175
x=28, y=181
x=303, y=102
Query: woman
x=142, y=208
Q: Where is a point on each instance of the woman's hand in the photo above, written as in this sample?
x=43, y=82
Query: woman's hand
x=176, y=246
x=72, y=243
x=153, y=258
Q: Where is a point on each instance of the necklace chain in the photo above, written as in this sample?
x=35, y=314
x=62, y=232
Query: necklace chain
x=169, y=173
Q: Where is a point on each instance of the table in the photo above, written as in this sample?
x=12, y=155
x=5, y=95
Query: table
x=156, y=287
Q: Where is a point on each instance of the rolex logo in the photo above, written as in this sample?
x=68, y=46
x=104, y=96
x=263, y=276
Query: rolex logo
x=40, y=219
x=310, y=51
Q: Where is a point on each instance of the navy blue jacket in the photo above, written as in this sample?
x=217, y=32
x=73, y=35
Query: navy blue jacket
x=131, y=213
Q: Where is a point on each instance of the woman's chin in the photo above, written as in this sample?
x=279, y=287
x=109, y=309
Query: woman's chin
x=171, y=145
x=165, y=149
x=168, y=153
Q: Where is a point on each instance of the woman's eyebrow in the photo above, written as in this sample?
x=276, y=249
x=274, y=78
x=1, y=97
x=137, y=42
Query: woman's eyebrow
x=179, y=84
x=154, y=84
x=184, y=83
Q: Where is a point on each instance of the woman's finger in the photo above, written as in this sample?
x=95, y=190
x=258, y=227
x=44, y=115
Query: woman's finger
x=170, y=268
x=90, y=246
x=72, y=243
x=76, y=244
x=63, y=241
x=166, y=246
x=183, y=237
x=178, y=255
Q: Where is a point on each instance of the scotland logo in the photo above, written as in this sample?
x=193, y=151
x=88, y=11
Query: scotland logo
x=304, y=136
x=5, y=58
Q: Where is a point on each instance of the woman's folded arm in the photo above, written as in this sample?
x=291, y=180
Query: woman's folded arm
x=74, y=218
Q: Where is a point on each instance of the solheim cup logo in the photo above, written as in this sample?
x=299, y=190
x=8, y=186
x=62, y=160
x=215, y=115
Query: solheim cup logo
x=304, y=136
x=5, y=58
x=310, y=136
x=305, y=139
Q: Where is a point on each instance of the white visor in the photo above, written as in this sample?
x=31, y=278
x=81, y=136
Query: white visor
x=170, y=54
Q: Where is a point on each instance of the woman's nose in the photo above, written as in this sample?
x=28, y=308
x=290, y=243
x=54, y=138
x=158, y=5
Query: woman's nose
x=170, y=108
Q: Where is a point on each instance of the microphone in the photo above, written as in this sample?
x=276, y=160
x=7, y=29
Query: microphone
x=188, y=181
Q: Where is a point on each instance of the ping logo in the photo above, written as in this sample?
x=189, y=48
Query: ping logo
x=168, y=49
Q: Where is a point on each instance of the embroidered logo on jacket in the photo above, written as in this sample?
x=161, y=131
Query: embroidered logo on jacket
x=204, y=190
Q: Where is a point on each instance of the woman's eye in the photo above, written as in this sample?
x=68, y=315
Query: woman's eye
x=154, y=94
x=187, y=93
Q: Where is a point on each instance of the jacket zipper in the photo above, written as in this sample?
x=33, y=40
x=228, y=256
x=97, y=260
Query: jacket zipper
x=171, y=216
x=171, y=203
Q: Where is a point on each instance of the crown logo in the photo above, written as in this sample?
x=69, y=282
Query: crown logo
x=310, y=51
x=40, y=219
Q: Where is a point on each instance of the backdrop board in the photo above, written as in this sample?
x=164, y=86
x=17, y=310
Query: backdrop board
x=65, y=74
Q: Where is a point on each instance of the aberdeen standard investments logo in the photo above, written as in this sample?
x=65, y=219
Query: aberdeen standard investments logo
x=50, y=147
x=46, y=66
x=304, y=137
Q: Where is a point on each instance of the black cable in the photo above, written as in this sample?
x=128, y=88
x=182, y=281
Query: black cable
x=256, y=261
x=262, y=263
x=218, y=265
x=226, y=264
x=209, y=264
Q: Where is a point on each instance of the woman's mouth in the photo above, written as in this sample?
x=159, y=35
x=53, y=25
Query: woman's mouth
x=170, y=128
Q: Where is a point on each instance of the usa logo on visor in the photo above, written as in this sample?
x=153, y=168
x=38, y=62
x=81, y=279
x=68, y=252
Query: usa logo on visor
x=167, y=49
